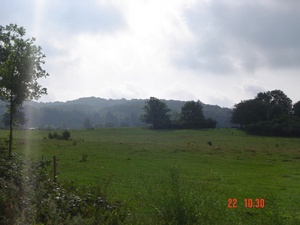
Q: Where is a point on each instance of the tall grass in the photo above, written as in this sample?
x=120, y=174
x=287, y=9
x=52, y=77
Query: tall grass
x=175, y=201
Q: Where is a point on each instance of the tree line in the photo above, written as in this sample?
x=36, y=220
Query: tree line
x=157, y=115
x=98, y=113
x=269, y=113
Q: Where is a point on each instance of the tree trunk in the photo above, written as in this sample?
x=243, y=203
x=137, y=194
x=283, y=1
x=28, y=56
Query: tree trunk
x=10, y=128
x=11, y=114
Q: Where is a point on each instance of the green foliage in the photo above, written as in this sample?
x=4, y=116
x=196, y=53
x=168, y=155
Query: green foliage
x=276, y=97
x=191, y=115
x=270, y=113
x=156, y=113
x=65, y=135
x=282, y=126
x=249, y=111
x=20, y=68
x=209, y=123
x=296, y=109
x=84, y=157
x=21, y=62
x=18, y=117
x=28, y=196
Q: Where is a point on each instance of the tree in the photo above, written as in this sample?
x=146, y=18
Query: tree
x=19, y=118
x=249, y=111
x=296, y=109
x=156, y=113
x=265, y=106
x=20, y=68
x=87, y=123
x=276, y=97
x=192, y=115
x=270, y=113
x=66, y=135
x=111, y=120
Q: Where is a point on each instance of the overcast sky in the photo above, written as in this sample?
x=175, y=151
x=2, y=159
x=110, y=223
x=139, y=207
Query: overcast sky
x=220, y=52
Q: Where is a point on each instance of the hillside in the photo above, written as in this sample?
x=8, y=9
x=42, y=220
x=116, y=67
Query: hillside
x=100, y=112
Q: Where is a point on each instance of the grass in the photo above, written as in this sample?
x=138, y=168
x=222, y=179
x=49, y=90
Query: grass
x=134, y=164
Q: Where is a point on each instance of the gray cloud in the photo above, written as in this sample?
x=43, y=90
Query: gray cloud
x=247, y=35
x=208, y=55
x=252, y=88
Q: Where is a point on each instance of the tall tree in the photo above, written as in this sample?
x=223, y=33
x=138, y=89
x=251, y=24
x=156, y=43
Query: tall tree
x=296, y=109
x=265, y=106
x=156, y=113
x=20, y=68
x=192, y=115
x=249, y=111
x=276, y=97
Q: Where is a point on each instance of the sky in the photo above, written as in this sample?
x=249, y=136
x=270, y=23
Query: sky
x=219, y=52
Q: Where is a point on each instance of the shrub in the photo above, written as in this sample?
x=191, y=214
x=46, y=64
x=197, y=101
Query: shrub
x=84, y=157
x=50, y=136
x=65, y=135
x=283, y=126
x=28, y=196
x=56, y=136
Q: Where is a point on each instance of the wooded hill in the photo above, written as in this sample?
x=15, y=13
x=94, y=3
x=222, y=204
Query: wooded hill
x=92, y=112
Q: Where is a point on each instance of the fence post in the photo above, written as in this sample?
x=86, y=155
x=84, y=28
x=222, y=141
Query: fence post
x=54, y=169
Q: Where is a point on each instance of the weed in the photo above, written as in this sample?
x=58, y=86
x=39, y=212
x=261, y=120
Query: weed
x=84, y=157
x=176, y=202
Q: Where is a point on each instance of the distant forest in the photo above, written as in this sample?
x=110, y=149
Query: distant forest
x=95, y=112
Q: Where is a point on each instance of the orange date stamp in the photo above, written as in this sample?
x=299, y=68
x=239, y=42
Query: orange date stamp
x=258, y=203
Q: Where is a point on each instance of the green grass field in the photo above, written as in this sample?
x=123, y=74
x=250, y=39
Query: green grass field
x=205, y=168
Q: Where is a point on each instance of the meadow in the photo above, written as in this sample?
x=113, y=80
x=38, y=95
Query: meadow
x=194, y=175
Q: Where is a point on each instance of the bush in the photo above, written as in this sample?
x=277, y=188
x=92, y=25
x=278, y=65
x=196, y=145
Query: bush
x=65, y=135
x=283, y=126
x=29, y=196
x=84, y=157
x=50, y=136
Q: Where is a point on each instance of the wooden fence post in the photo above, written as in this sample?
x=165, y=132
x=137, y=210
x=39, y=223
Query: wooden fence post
x=54, y=169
